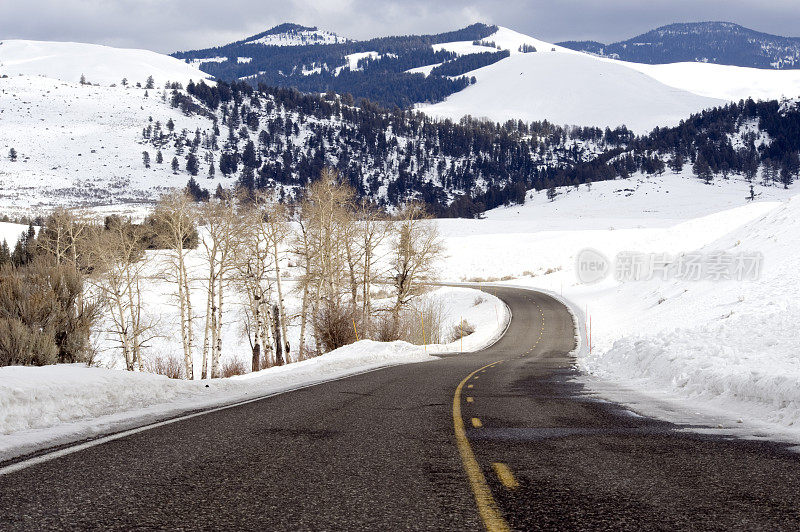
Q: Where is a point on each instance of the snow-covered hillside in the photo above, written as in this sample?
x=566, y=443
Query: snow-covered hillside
x=568, y=87
x=293, y=35
x=720, y=352
x=78, y=144
x=103, y=65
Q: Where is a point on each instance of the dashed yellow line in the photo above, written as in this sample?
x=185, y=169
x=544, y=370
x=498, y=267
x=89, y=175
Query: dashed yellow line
x=505, y=475
x=487, y=507
x=470, y=399
x=476, y=423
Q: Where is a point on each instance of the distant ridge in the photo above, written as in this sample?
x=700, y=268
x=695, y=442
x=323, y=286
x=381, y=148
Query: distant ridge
x=723, y=43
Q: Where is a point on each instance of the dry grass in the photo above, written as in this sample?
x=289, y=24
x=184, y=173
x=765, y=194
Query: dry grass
x=308, y=353
x=233, y=367
x=461, y=330
x=427, y=313
x=168, y=365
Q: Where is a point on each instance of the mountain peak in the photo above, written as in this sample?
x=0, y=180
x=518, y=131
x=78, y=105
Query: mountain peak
x=291, y=34
x=720, y=42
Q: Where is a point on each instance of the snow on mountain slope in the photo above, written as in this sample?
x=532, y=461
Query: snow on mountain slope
x=79, y=144
x=295, y=36
x=103, y=65
x=504, y=39
x=570, y=88
x=723, y=81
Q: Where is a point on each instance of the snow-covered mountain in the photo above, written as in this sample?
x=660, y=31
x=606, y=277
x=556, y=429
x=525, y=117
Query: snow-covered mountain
x=103, y=65
x=568, y=88
x=556, y=84
x=515, y=76
x=723, y=43
x=289, y=34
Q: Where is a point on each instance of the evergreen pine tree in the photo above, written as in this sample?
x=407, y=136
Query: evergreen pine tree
x=12, y=154
x=5, y=253
x=175, y=165
x=146, y=159
x=702, y=169
x=159, y=157
x=192, y=165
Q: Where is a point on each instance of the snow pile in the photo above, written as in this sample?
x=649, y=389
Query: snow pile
x=42, y=406
x=726, y=349
x=104, y=65
x=731, y=345
x=724, y=81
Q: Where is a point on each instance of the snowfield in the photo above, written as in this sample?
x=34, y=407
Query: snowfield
x=569, y=87
x=79, y=144
x=46, y=406
x=721, y=353
x=103, y=65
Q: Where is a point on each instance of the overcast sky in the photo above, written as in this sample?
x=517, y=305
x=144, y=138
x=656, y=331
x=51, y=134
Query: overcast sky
x=170, y=25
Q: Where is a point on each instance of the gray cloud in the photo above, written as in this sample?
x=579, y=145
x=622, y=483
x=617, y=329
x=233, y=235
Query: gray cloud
x=169, y=25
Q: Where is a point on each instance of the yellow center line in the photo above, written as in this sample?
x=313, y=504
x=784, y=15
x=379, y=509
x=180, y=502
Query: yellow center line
x=476, y=423
x=470, y=399
x=505, y=475
x=487, y=507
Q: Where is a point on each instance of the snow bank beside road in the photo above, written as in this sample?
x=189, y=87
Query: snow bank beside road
x=726, y=350
x=51, y=405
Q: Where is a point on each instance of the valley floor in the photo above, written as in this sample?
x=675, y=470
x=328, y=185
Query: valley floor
x=718, y=353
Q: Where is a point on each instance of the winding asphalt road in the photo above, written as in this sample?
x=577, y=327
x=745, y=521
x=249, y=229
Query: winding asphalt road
x=499, y=439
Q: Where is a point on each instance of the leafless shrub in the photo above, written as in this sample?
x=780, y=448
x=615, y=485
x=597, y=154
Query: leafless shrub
x=168, y=365
x=478, y=300
x=307, y=353
x=461, y=330
x=420, y=324
x=233, y=367
x=335, y=325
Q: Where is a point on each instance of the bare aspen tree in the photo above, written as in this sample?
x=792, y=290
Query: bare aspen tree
x=64, y=236
x=117, y=253
x=253, y=259
x=176, y=221
x=278, y=230
x=325, y=223
x=219, y=241
x=303, y=248
x=373, y=230
x=416, y=249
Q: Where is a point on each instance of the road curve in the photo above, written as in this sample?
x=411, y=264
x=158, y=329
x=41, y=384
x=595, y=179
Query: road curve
x=499, y=439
